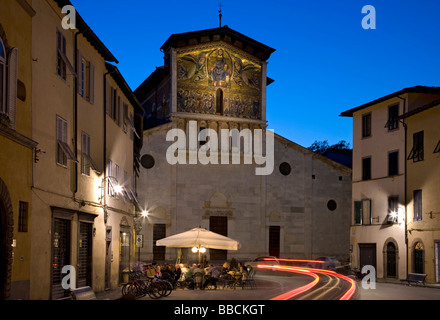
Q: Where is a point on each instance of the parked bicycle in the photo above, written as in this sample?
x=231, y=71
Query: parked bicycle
x=140, y=286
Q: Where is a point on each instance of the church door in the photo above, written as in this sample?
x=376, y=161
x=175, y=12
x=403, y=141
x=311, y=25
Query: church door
x=218, y=225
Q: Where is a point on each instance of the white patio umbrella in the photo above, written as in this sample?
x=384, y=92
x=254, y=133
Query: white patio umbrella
x=199, y=238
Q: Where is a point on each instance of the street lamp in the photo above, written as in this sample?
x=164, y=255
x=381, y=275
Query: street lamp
x=199, y=249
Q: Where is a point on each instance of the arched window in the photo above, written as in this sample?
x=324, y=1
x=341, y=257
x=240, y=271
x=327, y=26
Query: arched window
x=2, y=78
x=219, y=102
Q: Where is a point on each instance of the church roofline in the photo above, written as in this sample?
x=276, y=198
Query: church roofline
x=224, y=33
x=332, y=163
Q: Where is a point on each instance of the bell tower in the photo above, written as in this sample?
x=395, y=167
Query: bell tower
x=215, y=76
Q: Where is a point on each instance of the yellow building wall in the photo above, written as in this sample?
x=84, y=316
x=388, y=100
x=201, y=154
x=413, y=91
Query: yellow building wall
x=424, y=175
x=15, y=158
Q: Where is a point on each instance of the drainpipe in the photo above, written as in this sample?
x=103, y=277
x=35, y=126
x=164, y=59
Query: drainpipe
x=405, y=183
x=105, y=142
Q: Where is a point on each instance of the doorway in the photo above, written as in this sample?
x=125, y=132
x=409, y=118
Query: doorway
x=418, y=258
x=391, y=260
x=274, y=241
x=218, y=225
x=124, y=251
x=367, y=255
x=3, y=252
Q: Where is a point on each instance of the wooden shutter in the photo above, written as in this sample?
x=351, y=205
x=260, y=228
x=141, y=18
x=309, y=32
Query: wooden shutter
x=79, y=78
x=91, y=83
x=357, y=212
x=12, y=85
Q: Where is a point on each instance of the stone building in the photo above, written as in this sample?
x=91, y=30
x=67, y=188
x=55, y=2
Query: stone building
x=211, y=90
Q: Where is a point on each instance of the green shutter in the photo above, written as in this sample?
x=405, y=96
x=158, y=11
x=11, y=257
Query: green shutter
x=357, y=212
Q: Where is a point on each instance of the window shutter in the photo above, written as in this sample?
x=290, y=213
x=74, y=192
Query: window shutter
x=92, y=84
x=357, y=212
x=79, y=73
x=12, y=85
x=366, y=211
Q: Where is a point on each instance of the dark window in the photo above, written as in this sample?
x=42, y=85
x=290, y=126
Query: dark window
x=393, y=163
x=274, y=241
x=358, y=212
x=366, y=125
x=366, y=169
x=219, y=102
x=417, y=205
x=285, y=169
x=393, y=115
x=23, y=217
x=416, y=153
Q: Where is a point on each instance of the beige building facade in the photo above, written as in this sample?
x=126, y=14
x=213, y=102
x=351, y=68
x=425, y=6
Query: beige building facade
x=378, y=235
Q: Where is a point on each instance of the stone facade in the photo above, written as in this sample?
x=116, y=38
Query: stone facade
x=216, y=79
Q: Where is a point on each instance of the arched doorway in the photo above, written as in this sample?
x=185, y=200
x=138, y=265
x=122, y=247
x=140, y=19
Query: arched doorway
x=391, y=256
x=419, y=257
x=6, y=235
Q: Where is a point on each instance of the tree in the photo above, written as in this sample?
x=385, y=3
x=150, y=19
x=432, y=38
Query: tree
x=321, y=147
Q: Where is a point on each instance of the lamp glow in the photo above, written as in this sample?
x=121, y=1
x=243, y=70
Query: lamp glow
x=202, y=250
x=194, y=249
x=118, y=189
x=144, y=213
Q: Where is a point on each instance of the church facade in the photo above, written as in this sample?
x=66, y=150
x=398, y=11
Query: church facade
x=209, y=159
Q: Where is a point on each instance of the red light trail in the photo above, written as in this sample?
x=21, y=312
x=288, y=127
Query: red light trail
x=312, y=273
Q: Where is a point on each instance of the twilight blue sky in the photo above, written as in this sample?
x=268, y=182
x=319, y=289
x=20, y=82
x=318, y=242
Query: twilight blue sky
x=324, y=63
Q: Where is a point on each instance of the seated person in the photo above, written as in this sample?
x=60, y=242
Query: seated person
x=213, y=277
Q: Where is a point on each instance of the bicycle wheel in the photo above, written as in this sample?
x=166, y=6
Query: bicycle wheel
x=130, y=288
x=154, y=290
x=168, y=288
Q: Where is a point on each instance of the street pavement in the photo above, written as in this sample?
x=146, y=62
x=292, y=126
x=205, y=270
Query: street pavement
x=271, y=284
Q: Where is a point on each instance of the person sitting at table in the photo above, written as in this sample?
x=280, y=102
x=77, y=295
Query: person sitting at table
x=226, y=267
x=189, y=277
x=213, y=277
